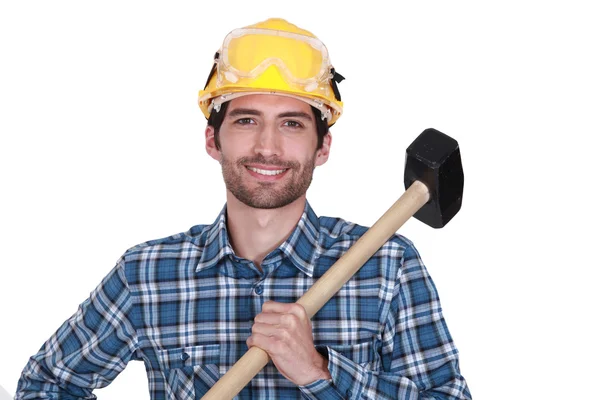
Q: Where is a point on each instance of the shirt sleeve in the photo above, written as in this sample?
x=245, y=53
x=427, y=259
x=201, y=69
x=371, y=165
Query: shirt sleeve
x=418, y=357
x=89, y=350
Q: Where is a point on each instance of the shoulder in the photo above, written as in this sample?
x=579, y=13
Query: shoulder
x=193, y=237
x=165, y=255
x=340, y=233
x=395, y=261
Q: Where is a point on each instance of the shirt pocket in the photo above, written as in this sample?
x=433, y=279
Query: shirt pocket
x=364, y=354
x=190, y=371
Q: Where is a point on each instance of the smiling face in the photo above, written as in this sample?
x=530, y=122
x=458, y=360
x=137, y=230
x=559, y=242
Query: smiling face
x=268, y=149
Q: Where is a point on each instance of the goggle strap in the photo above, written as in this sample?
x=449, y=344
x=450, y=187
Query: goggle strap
x=212, y=70
x=336, y=78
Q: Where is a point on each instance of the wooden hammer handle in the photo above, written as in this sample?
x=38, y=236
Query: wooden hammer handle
x=328, y=285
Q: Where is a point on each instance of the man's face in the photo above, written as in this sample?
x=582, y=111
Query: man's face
x=268, y=149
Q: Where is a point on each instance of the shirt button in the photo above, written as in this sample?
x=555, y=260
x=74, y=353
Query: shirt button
x=259, y=289
x=184, y=356
x=348, y=393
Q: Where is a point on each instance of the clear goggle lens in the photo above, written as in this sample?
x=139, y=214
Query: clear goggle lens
x=248, y=52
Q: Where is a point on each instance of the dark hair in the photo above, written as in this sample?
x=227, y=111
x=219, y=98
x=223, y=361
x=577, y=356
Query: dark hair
x=215, y=120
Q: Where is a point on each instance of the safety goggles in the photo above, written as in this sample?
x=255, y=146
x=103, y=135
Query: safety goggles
x=303, y=61
x=246, y=53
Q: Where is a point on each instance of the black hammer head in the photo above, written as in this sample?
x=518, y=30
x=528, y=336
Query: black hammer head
x=434, y=159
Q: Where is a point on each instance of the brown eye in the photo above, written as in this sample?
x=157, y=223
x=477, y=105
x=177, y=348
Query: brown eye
x=244, y=121
x=292, y=124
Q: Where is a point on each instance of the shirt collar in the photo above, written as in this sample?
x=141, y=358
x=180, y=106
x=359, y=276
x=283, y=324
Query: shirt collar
x=300, y=247
x=216, y=243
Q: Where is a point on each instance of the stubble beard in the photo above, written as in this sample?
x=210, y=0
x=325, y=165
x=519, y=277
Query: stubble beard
x=266, y=195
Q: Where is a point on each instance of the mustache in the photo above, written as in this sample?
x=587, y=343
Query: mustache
x=273, y=161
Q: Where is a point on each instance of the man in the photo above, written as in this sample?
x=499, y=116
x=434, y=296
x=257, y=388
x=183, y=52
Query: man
x=191, y=304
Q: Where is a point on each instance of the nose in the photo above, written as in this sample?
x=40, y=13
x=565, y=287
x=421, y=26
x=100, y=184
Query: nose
x=268, y=142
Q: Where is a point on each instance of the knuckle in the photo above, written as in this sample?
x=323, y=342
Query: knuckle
x=279, y=347
x=297, y=308
x=288, y=319
x=293, y=321
x=299, y=311
x=284, y=335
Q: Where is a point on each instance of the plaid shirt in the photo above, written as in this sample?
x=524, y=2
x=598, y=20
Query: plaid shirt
x=185, y=306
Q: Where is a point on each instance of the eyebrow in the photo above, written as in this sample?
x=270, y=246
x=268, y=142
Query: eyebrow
x=243, y=111
x=295, y=114
x=236, y=112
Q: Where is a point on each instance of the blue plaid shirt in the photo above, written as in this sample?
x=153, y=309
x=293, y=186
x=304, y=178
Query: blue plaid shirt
x=185, y=305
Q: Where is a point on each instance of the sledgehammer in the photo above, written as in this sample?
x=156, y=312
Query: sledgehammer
x=434, y=181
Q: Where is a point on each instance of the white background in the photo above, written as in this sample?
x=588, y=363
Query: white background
x=102, y=148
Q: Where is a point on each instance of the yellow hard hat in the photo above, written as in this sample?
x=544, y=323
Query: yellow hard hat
x=273, y=56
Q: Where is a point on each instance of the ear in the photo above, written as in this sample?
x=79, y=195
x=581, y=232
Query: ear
x=323, y=152
x=211, y=146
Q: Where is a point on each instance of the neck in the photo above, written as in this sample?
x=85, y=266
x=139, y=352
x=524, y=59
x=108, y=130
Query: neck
x=254, y=233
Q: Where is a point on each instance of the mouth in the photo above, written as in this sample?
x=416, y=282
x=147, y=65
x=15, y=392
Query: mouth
x=267, y=172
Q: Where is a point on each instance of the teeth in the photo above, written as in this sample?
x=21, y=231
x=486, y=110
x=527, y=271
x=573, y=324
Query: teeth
x=265, y=172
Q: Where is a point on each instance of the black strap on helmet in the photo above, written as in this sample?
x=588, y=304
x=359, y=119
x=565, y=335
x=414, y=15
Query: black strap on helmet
x=335, y=79
x=212, y=70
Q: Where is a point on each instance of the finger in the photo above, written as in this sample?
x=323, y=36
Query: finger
x=299, y=311
x=285, y=308
x=268, y=318
x=272, y=346
x=282, y=321
x=266, y=330
x=276, y=307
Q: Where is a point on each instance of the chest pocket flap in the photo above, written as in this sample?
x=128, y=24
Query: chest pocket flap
x=364, y=354
x=190, y=371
